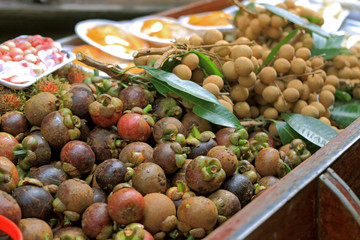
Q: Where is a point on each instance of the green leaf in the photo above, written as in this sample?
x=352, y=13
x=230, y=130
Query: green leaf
x=251, y=6
x=296, y=19
x=310, y=128
x=208, y=65
x=344, y=115
x=329, y=47
x=342, y=95
x=313, y=19
x=276, y=49
x=329, y=53
x=287, y=134
x=352, y=101
x=206, y=104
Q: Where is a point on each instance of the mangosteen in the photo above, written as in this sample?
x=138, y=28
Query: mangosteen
x=110, y=173
x=226, y=203
x=49, y=174
x=170, y=156
x=15, y=123
x=166, y=107
x=96, y=222
x=191, y=120
x=70, y=233
x=226, y=157
x=135, y=96
x=9, y=176
x=136, y=153
x=9, y=208
x=168, y=129
x=148, y=178
x=241, y=186
x=200, y=143
x=33, y=228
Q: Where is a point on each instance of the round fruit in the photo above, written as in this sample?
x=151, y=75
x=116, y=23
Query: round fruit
x=310, y=111
x=241, y=51
x=298, y=65
x=291, y=94
x=148, y=178
x=212, y=88
x=303, y=53
x=133, y=127
x=243, y=66
x=267, y=162
x=34, y=228
x=212, y=36
x=282, y=65
x=286, y=51
x=242, y=109
x=327, y=98
x=191, y=60
x=268, y=75
x=270, y=94
x=40, y=105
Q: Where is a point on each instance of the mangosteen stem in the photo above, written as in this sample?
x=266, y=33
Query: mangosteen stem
x=4, y=178
x=147, y=109
x=195, y=132
x=190, y=237
x=20, y=153
x=180, y=186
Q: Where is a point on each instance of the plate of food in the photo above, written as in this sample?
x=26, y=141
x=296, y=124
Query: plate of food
x=26, y=59
x=109, y=36
x=158, y=30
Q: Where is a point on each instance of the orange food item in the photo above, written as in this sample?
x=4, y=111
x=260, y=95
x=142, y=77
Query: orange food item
x=114, y=37
x=215, y=18
x=101, y=56
x=157, y=28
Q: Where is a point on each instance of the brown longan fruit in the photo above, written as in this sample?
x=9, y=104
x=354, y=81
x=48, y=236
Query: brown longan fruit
x=264, y=20
x=332, y=70
x=271, y=113
x=265, y=54
x=196, y=40
x=291, y=94
x=255, y=63
x=325, y=120
x=290, y=4
x=312, y=97
x=212, y=36
x=151, y=58
x=226, y=98
x=281, y=105
x=355, y=72
x=273, y=130
x=228, y=69
x=299, y=105
x=191, y=60
x=242, y=21
x=310, y=111
x=213, y=88
x=317, y=62
x=254, y=111
x=296, y=83
x=240, y=51
x=222, y=51
x=259, y=87
x=298, y=65
x=243, y=66
x=268, y=75
x=274, y=33
x=303, y=53
x=182, y=71
x=329, y=87
x=282, y=65
x=320, y=107
x=315, y=83
x=255, y=26
x=333, y=80
x=277, y=21
x=356, y=92
x=345, y=73
x=242, y=40
x=239, y=93
x=298, y=45
x=308, y=43
x=353, y=60
x=306, y=93
x=250, y=34
x=214, y=79
x=327, y=98
x=340, y=61
x=286, y=51
x=270, y=94
x=198, y=75
x=257, y=51
x=242, y=110
x=248, y=81
x=226, y=104
x=139, y=61
x=260, y=100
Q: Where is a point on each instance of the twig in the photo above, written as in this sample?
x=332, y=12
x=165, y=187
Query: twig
x=251, y=123
x=243, y=8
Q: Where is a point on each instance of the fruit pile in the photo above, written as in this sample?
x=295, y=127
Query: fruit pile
x=141, y=155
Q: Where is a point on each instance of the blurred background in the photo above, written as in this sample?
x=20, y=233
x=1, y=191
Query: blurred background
x=57, y=18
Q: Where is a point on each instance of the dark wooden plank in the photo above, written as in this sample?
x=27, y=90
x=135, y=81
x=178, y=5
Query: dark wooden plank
x=345, y=167
x=265, y=207
x=339, y=209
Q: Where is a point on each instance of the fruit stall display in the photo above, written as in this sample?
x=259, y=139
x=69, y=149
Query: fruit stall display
x=221, y=124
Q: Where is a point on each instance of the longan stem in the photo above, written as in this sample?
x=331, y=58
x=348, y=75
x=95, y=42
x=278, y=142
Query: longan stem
x=243, y=7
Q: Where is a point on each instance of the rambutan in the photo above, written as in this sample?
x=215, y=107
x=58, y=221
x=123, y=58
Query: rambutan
x=11, y=101
x=76, y=74
x=49, y=84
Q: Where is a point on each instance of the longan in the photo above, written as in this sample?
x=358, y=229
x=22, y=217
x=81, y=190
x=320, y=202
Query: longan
x=191, y=60
x=250, y=34
x=277, y=21
x=139, y=61
x=299, y=105
x=312, y=98
x=291, y=94
x=273, y=130
x=243, y=66
x=325, y=120
x=296, y=83
x=212, y=36
x=320, y=107
x=274, y=33
x=282, y=65
x=242, y=109
x=306, y=92
x=353, y=60
x=310, y=111
x=198, y=75
x=254, y=111
x=340, y=61
x=271, y=113
x=327, y=98
x=182, y=40
x=329, y=87
x=270, y=94
x=286, y=51
x=259, y=87
x=255, y=63
x=196, y=40
x=260, y=100
x=298, y=65
x=332, y=70
x=333, y=80
x=248, y=81
x=222, y=51
x=214, y=79
x=226, y=104
x=345, y=73
x=268, y=75
x=303, y=53
x=242, y=21
x=257, y=51
x=240, y=51
x=264, y=20
x=228, y=69
x=315, y=83
x=317, y=62
x=255, y=26
x=356, y=92
x=239, y=93
x=281, y=105
x=308, y=43
x=182, y=71
x=213, y=88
